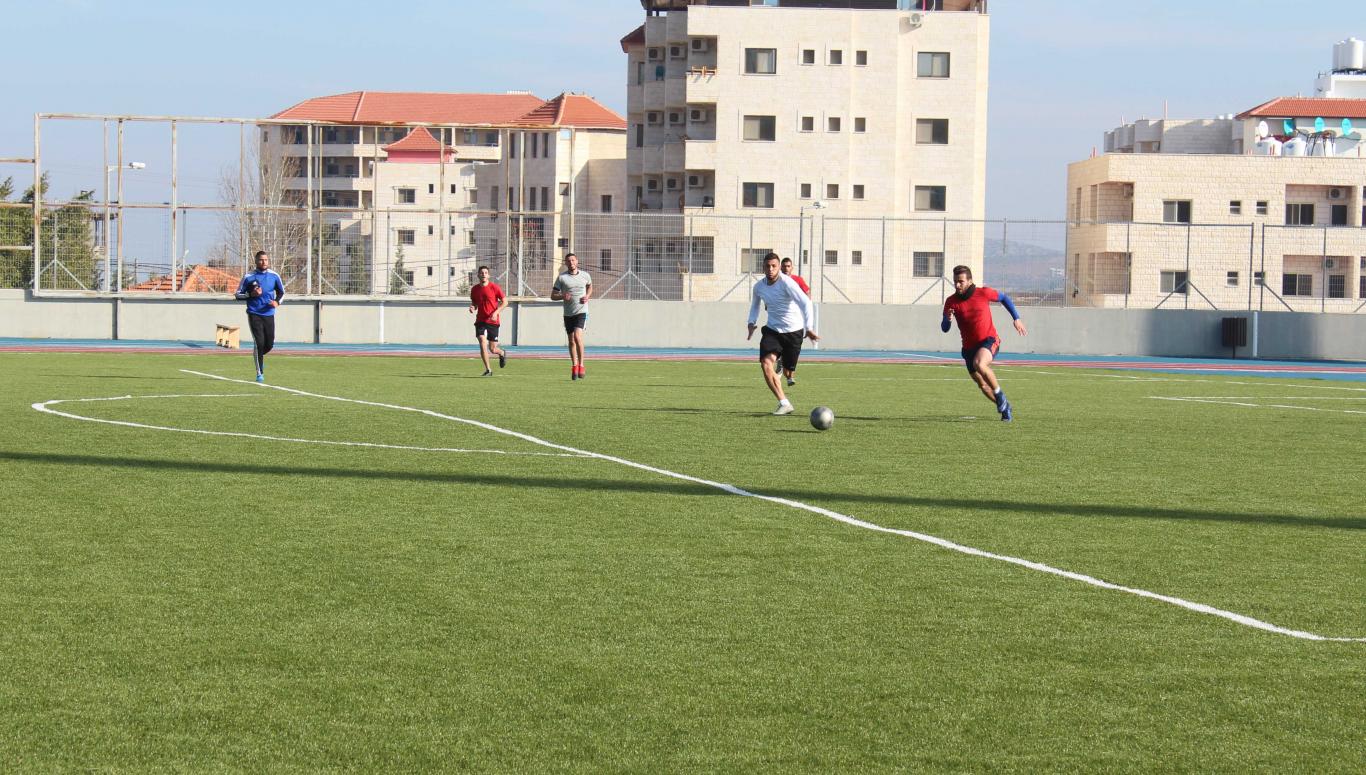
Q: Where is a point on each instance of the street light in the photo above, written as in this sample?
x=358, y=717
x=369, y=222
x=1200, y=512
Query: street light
x=801, y=224
x=104, y=231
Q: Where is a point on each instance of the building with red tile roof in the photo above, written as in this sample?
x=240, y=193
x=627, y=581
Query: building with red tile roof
x=197, y=278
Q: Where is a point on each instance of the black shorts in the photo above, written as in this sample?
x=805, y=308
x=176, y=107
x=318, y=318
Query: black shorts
x=970, y=353
x=486, y=330
x=788, y=346
x=572, y=322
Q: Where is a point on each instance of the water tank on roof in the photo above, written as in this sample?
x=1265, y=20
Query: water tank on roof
x=1348, y=55
x=1268, y=146
x=1295, y=146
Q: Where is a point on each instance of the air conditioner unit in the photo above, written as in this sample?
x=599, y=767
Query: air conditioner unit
x=701, y=45
x=652, y=185
x=654, y=117
x=914, y=20
x=1327, y=263
x=654, y=54
x=677, y=52
x=675, y=118
x=1336, y=193
x=707, y=201
x=697, y=116
x=671, y=183
x=694, y=181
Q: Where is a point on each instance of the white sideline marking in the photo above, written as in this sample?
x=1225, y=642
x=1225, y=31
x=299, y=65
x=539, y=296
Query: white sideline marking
x=46, y=408
x=838, y=517
x=1194, y=400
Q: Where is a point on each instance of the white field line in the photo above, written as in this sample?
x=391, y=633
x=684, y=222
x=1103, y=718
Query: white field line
x=1208, y=381
x=46, y=408
x=1261, y=406
x=1246, y=621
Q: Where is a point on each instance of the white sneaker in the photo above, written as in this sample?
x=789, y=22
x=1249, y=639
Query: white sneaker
x=784, y=407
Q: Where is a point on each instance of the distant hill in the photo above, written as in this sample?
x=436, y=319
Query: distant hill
x=1024, y=267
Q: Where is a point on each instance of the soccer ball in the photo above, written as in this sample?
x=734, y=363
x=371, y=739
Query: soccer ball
x=822, y=417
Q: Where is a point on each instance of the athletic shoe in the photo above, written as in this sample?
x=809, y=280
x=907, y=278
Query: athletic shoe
x=260, y=378
x=573, y=374
x=791, y=381
x=1006, y=414
x=1001, y=402
x=488, y=373
x=582, y=374
x=784, y=407
x=502, y=359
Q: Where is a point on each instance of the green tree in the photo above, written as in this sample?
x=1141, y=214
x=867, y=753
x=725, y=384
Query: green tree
x=68, y=247
x=396, y=278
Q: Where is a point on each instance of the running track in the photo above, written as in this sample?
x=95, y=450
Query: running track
x=1332, y=370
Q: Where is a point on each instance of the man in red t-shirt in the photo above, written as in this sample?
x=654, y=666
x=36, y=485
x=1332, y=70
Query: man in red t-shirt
x=972, y=308
x=786, y=267
x=488, y=302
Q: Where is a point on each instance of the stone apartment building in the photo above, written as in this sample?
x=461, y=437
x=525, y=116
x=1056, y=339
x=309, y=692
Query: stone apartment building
x=1261, y=210
x=858, y=109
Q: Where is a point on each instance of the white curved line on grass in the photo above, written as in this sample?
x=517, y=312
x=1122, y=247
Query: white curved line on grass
x=1246, y=621
x=46, y=408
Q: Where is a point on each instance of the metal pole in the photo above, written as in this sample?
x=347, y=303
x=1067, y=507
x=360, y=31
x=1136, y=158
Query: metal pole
x=1251, y=246
x=1185, y=290
x=104, y=227
x=441, y=207
x=691, y=219
x=822, y=254
x=882, y=298
x=118, y=287
x=1323, y=269
x=521, y=205
x=1261, y=294
x=175, y=281
x=242, y=187
x=944, y=253
x=37, y=201
x=308, y=239
x=1128, y=262
x=374, y=209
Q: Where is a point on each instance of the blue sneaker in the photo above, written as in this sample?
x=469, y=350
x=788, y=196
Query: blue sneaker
x=260, y=378
x=1006, y=414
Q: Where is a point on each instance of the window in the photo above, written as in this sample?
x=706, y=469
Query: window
x=407, y=196
x=1337, y=286
x=429, y=270
x=607, y=203
x=1361, y=291
x=1232, y=280
x=932, y=64
x=531, y=197
x=1261, y=207
x=474, y=196
x=453, y=188
x=431, y=230
x=407, y=237
x=858, y=190
x=832, y=124
x=860, y=124
x=832, y=257
x=806, y=191
x=545, y=198
x=761, y=61
x=493, y=199
x=932, y=131
x=836, y=57
x=856, y=257
x=761, y=128
x=605, y=259
x=1176, y=211
x=1338, y=215
x=1299, y=215
x=512, y=145
x=754, y=258
x=1235, y=207
x=469, y=236
x=1173, y=282
x=535, y=145
x=927, y=264
x=640, y=135
x=832, y=191
x=1259, y=278
x=1297, y=285
x=808, y=123
x=640, y=73
x=930, y=198
x=808, y=56
x=758, y=195
x=861, y=58
x=431, y=188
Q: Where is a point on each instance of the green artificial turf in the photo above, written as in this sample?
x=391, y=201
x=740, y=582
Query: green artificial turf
x=176, y=601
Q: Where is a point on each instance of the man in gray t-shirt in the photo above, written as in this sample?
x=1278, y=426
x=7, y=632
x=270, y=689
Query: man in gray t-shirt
x=574, y=288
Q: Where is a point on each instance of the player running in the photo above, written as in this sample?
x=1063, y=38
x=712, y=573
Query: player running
x=262, y=290
x=790, y=317
x=574, y=287
x=787, y=270
x=488, y=302
x=972, y=307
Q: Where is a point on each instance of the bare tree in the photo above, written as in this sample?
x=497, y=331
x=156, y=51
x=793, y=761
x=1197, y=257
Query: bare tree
x=268, y=212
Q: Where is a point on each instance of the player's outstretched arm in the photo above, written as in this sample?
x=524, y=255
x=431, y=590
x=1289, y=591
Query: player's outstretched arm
x=946, y=323
x=1014, y=314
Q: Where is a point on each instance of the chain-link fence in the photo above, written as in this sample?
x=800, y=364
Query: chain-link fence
x=339, y=217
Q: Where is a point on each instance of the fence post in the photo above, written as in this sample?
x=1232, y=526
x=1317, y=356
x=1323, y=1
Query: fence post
x=882, y=298
x=691, y=219
x=1251, y=275
x=1261, y=294
x=175, y=281
x=1186, y=290
x=308, y=239
x=1323, y=269
x=1128, y=262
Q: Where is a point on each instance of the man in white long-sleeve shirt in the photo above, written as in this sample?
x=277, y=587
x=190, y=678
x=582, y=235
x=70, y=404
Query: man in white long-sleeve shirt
x=790, y=318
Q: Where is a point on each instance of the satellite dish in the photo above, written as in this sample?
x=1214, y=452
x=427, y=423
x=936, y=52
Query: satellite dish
x=1318, y=124
x=1288, y=126
x=1346, y=127
x=1262, y=130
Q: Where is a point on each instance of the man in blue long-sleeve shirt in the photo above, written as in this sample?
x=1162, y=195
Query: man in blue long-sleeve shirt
x=262, y=290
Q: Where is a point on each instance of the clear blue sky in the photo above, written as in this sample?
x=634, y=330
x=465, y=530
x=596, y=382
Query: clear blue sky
x=1061, y=72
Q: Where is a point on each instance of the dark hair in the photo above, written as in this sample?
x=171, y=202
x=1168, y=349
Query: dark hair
x=962, y=269
x=787, y=260
x=567, y=255
x=258, y=255
x=771, y=257
x=483, y=268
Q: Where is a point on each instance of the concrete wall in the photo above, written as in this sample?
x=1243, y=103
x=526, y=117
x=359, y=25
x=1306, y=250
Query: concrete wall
x=1067, y=331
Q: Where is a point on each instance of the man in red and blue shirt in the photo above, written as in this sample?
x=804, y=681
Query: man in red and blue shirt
x=971, y=306
x=487, y=301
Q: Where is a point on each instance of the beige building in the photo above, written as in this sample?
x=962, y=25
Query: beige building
x=1262, y=210
x=395, y=179
x=871, y=110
